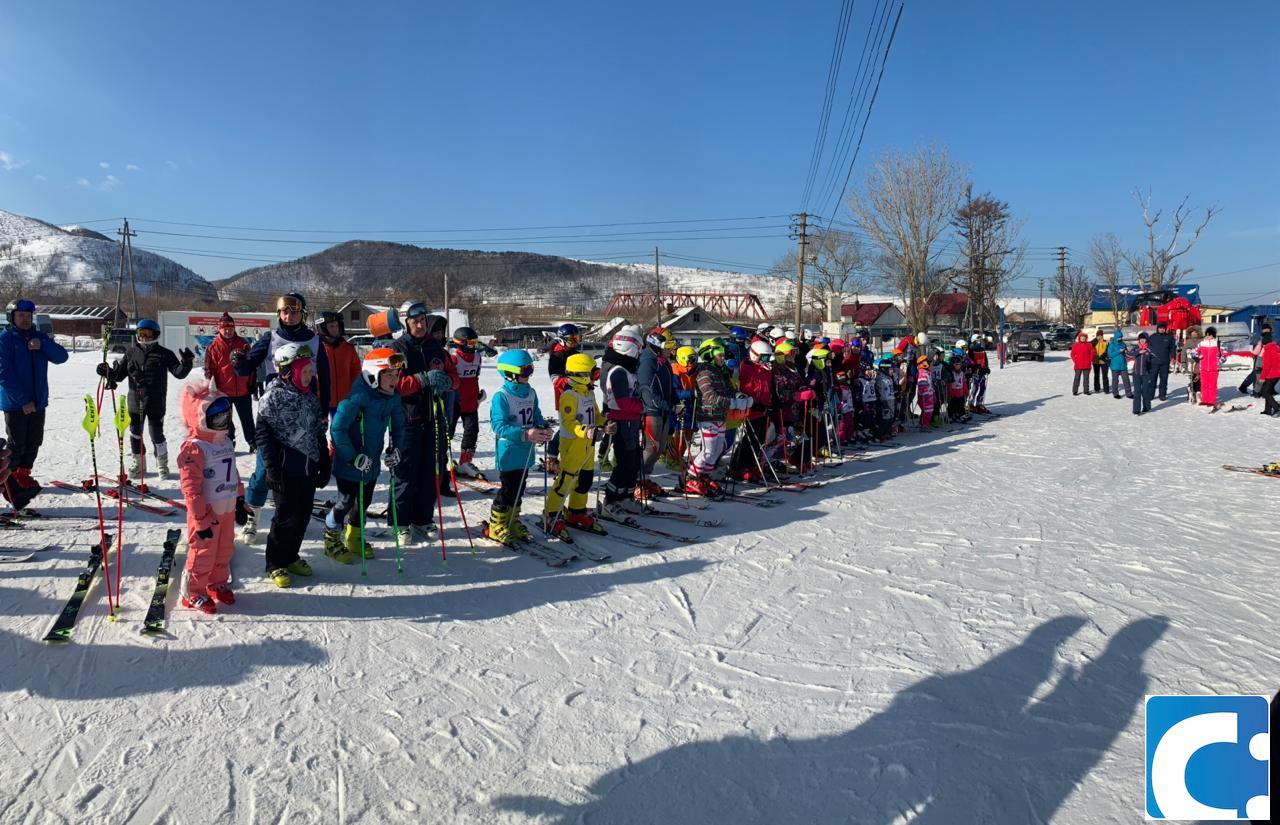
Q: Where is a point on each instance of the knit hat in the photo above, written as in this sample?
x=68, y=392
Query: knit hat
x=226, y=320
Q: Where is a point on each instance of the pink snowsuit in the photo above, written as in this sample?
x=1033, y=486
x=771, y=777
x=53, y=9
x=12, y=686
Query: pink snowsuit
x=924, y=396
x=210, y=484
x=1209, y=352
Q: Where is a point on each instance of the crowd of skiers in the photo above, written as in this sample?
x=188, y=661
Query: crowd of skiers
x=1112, y=361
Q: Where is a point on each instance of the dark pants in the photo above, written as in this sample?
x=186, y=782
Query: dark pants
x=626, y=466
x=510, y=490
x=1268, y=393
x=1116, y=377
x=1100, y=383
x=348, y=507
x=1160, y=380
x=155, y=425
x=244, y=408
x=26, y=434
x=289, y=524
x=1250, y=378
x=416, y=477
x=1144, y=386
x=470, y=428
x=745, y=458
x=1081, y=377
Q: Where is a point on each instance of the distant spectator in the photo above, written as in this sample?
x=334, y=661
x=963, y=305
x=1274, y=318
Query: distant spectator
x=1100, y=382
x=1162, y=348
x=1270, y=373
x=1119, y=365
x=1082, y=355
x=225, y=351
x=1144, y=376
x=1210, y=354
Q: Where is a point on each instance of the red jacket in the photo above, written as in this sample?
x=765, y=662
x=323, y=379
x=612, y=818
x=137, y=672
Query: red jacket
x=1270, y=362
x=757, y=382
x=1082, y=355
x=467, y=366
x=344, y=369
x=218, y=369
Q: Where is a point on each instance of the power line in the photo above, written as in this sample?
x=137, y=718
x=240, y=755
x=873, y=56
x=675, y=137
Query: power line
x=824, y=119
x=585, y=238
x=429, y=231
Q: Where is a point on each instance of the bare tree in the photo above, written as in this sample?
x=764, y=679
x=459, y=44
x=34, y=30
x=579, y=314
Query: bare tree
x=1074, y=292
x=836, y=267
x=1157, y=266
x=990, y=255
x=904, y=205
x=1105, y=257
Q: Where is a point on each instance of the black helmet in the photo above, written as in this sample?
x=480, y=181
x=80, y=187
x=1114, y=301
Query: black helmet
x=465, y=337
x=326, y=317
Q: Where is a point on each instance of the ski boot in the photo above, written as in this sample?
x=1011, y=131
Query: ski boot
x=554, y=525
x=299, y=567
x=631, y=505
x=135, y=466
x=516, y=527
x=1272, y=469
x=498, y=527
x=249, y=531
x=201, y=602
x=403, y=536
x=613, y=511
x=334, y=547
x=422, y=534
x=582, y=520
x=162, y=465
x=279, y=577
x=354, y=540
x=221, y=593
x=646, y=490
x=466, y=468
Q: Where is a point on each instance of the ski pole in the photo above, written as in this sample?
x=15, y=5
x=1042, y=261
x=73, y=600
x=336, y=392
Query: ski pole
x=90, y=425
x=437, y=411
x=757, y=452
x=364, y=574
x=453, y=476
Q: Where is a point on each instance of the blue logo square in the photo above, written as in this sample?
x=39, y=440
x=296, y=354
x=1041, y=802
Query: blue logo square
x=1208, y=757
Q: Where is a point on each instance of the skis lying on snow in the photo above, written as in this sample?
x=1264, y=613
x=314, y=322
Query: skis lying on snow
x=1258, y=471
x=154, y=621
x=644, y=544
x=61, y=630
x=479, y=485
x=529, y=546
x=632, y=523
x=688, y=518
x=140, y=490
x=30, y=554
x=531, y=523
x=113, y=492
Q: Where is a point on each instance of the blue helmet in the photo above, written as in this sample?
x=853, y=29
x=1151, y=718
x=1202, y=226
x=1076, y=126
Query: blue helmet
x=568, y=335
x=515, y=362
x=147, y=323
x=738, y=333
x=20, y=305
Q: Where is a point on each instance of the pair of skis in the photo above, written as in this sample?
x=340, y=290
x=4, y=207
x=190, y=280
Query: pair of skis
x=1258, y=471
x=114, y=493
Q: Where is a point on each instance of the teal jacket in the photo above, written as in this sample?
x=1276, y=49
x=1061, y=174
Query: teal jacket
x=514, y=453
x=379, y=410
x=1116, y=351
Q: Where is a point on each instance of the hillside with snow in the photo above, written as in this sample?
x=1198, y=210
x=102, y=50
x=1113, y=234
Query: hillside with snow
x=38, y=258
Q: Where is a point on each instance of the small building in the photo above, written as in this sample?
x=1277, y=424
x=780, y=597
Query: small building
x=1254, y=315
x=947, y=309
x=880, y=318
x=82, y=320
x=691, y=326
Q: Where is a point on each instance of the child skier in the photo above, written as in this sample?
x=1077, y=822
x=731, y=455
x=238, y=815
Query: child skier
x=359, y=432
x=214, y=495
x=924, y=391
x=886, y=397
x=957, y=388
x=148, y=365
x=518, y=425
x=714, y=400
x=623, y=406
x=295, y=457
x=465, y=353
x=580, y=427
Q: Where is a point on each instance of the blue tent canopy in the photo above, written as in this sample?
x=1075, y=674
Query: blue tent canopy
x=1128, y=292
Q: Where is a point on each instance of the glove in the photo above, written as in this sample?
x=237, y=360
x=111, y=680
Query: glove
x=320, y=476
x=482, y=395
x=611, y=428
x=489, y=351
x=362, y=462
x=242, y=511
x=439, y=381
x=102, y=369
x=237, y=358
x=206, y=533
x=187, y=355
x=392, y=458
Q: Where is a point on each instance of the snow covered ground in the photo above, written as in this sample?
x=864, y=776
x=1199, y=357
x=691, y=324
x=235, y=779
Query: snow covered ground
x=959, y=630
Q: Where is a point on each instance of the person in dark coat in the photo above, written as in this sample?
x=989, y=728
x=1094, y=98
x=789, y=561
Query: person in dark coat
x=1144, y=376
x=148, y=366
x=25, y=356
x=1162, y=347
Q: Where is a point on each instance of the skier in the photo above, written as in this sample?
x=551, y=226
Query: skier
x=954, y=378
x=564, y=345
x=714, y=400
x=682, y=370
x=467, y=355
x=755, y=379
x=518, y=426
x=1210, y=356
x=214, y=495
x=295, y=457
x=291, y=312
x=656, y=384
x=623, y=406
x=342, y=358
x=1082, y=355
x=1116, y=354
x=358, y=433
x=886, y=391
x=147, y=365
x=580, y=426
x=980, y=370
x=219, y=367
x=424, y=385
x=1144, y=384
x=25, y=356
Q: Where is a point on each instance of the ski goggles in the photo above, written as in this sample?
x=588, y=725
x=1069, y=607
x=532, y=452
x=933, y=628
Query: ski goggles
x=395, y=361
x=571, y=340
x=288, y=304
x=468, y=342
x=524, y=372
x=417, y=310
x=147, y=335
x=764, y=358
x=594, y=375
x=218, y=416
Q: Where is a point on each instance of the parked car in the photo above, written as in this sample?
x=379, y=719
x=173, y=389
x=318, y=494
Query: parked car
x=1061, y=338
x=1027, y=343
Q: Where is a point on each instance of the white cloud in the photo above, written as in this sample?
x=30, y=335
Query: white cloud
x=82, y=181
x=109, y=182
x=8, y=163
x=132, y=167
x=104, y=165
x=41, y=177
x=171, y=164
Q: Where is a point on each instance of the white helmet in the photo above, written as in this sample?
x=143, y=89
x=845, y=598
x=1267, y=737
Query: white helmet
x=377, y=361
x=761, y=351
x=290, y=352
x=763, y=327
x=775, y=333
x=961, y=344
x=976, y=337
x=806, y=335
x=791, y=334
x=922, y=340
x=628, y=341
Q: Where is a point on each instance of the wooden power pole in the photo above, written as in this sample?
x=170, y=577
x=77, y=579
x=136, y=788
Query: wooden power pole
x=657, y=277
x=1062, y=281
x=804, y=246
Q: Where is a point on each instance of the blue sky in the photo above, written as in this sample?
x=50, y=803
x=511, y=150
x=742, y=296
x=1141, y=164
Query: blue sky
x=417, y=116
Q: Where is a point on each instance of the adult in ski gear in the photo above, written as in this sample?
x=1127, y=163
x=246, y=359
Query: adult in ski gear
x=212, y=489
x=1210, y=356
x=580, y=426
x=291, y=314
x=1100, y=382
x=1162, y=347
x=1269, y=373
x=1082, y=355
x=224, y=351
x=358, y=432
x=623, y=407
x=1144, y=375
x=564, y=345
x=467, y=355
x=25, y=356
x=148, y=366
x=656, y=384
x=1119, y=362
x=427, y=379
x=755, y=380
x=341, y=356
x=518, y=426
x=295, y=457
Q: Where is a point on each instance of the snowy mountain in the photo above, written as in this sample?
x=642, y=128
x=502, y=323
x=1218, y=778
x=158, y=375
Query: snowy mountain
x=47, y=260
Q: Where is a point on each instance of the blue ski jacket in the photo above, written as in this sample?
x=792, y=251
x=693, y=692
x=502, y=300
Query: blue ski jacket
x=24, y=373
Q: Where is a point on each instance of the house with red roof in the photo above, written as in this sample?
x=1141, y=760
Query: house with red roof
x=880, y=317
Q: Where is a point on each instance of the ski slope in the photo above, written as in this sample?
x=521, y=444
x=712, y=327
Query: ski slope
x=960, y=629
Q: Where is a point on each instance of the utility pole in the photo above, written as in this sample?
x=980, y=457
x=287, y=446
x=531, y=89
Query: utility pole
x=1062, y=281
x=1040, y=306
x=804, y=245
x=133, y=283
x=447, y=325
x=657, y=277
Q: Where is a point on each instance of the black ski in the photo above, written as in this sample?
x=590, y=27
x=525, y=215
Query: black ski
x=527, y=546
x=644, y=544
x=154, y=621
x=61, y=630
x=631, y=523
